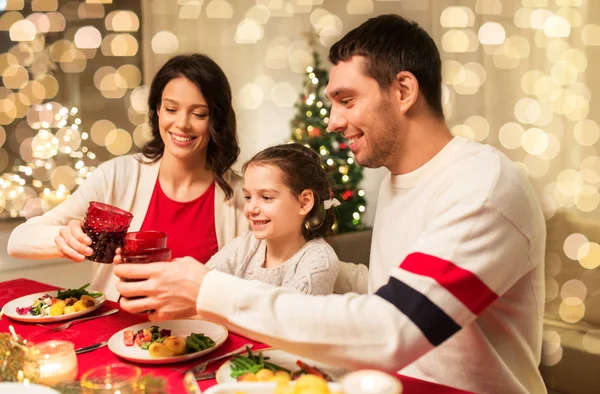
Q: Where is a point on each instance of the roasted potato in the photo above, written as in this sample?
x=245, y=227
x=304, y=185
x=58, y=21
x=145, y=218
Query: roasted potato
x=264, y=375
x=79, y=306
x=311, y=384
x=69, y=309
x=57, y=308
x=158, y=349
x=247, y=377
x=88, y=301
x=175, y=344
x=281, y=377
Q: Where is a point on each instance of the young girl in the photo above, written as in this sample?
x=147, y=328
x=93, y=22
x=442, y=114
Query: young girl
x=289, y=209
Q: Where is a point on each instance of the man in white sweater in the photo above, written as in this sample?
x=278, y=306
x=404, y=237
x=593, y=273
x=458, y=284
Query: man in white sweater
x=456, y=281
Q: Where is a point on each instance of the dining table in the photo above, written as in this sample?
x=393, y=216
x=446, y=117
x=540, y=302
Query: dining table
x=94, y=331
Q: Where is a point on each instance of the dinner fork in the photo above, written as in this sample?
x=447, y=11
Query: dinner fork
x=198, y=369
x=68, y=324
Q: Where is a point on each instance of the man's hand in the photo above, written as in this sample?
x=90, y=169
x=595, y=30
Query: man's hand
x=170, y=289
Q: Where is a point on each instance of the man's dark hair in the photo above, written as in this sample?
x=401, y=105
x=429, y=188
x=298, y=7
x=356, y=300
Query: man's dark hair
x=390, y=44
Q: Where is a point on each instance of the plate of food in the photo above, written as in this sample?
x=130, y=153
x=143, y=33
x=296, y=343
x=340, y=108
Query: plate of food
x=273, y=365
x=170, y=341
x=54, y=306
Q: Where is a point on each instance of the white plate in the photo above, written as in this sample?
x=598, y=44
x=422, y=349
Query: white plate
x=20, y=388
x=10, y=309
x=254, y=388
x=283, y=359
x=179, y=328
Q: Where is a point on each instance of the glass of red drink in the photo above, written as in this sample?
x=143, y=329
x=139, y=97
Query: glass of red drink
x=144, y=257
x=142, y=240
x=106, y=225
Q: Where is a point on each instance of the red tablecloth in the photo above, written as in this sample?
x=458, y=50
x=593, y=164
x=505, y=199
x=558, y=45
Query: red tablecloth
x=98, y=330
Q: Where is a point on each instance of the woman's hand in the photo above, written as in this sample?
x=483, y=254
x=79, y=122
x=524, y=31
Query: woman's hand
x=72, y=242
x=170, y=288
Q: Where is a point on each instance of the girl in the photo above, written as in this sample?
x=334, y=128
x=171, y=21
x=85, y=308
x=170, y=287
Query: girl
x=183, y=173
x=289, y=209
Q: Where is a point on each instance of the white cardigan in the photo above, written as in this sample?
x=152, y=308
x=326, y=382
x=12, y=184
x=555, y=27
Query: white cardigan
x=127, y=183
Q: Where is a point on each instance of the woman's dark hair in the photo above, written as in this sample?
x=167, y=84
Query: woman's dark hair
x=392, y=44
x=302, y=170
x=223, y=149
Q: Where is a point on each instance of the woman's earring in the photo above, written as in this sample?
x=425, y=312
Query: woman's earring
x=307, y=224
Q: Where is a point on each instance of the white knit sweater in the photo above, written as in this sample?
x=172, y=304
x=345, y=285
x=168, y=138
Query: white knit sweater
x=311, y=270
x=456, y=283
x=127, y=183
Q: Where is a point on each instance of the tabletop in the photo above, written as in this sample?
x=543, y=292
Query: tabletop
x=98, y=330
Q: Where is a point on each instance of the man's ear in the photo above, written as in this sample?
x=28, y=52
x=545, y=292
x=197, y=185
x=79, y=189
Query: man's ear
x=307, y=201
x=406, y=90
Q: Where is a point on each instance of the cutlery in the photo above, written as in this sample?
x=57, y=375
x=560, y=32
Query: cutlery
x=91, y=347
x=198, y=369
x=205, y=376
x=68, y=324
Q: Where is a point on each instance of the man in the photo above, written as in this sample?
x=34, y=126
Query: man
x=456, y=272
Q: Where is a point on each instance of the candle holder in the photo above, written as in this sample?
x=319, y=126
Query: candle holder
x=368, y=381
x=53, y=362
x=112, y=379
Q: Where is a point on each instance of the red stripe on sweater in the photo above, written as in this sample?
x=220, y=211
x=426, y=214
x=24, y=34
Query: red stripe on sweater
x=463, y=284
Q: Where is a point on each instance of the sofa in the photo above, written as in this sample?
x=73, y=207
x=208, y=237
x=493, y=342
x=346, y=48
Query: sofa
x=571, y=342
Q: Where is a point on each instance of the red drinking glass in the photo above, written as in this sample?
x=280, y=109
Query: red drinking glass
x=144, y=257
x=142, y=240
x=106, y=226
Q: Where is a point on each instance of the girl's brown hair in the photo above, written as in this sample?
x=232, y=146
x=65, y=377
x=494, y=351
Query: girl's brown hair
x=302, y=170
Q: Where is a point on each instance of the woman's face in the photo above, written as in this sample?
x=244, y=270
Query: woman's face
x=183, y=118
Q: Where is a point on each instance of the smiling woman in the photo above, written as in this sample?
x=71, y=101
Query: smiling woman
x=181, y=184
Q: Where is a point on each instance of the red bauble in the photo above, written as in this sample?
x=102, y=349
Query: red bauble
x=315, y=132
x=348, y=194
x=343, y=145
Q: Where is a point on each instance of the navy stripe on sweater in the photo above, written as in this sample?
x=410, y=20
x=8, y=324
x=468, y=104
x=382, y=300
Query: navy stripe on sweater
x=433, y=322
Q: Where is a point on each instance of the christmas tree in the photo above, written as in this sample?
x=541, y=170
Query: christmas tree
x=309, y=127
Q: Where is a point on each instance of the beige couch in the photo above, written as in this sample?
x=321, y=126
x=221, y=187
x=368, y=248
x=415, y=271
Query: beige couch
x=571, y=349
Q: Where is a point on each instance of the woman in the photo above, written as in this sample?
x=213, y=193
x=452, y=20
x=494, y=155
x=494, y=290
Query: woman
x=182, y=183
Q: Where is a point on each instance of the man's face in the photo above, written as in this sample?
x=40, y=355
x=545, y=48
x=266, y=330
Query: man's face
x=363, y=113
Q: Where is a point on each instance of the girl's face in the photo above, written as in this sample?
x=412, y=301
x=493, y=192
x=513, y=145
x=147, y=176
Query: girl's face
x=183, y=120
x=272, y=210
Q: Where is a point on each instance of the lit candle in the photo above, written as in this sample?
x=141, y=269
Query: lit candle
x=55, y=361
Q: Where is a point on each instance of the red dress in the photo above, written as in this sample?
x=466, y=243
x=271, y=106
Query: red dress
x=190, y=226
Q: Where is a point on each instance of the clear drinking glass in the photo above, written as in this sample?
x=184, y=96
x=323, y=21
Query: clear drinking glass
x=106, y=226
x=112, y=379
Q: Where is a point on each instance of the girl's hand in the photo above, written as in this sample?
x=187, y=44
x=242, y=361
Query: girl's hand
x=72, y=242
